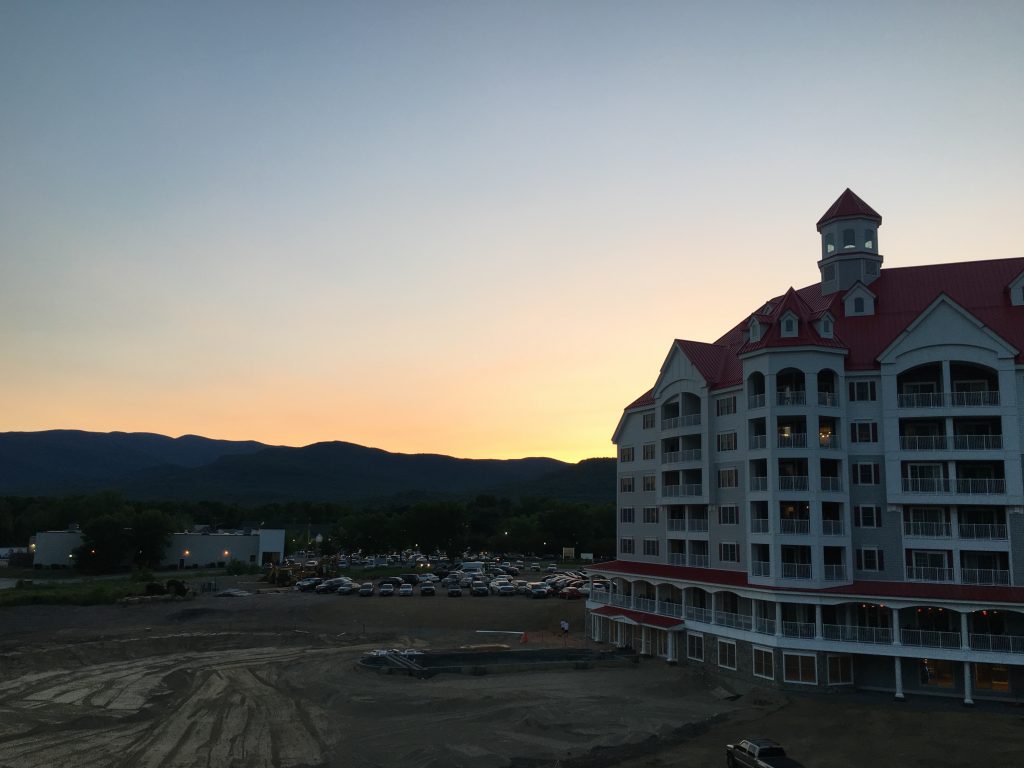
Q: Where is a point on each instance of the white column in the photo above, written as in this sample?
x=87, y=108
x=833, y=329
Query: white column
x=965, y=638
x=671, y=646
x=817, y=622
x=645, y=641
x=947, y=379
x=896, y=639
x=968, y=701
x=778, y=619
x=898, y=672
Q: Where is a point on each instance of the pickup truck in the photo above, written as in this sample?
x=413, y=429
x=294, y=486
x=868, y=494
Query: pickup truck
x=758, y=753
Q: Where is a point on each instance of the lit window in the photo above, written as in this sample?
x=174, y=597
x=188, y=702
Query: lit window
x=830, y=246
x=869, y=238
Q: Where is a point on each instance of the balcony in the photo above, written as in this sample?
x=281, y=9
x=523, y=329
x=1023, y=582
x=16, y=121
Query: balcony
x=759, y=483
x=755, y=401
x=803, y=629
x=793, y=483
x=758, y=442
x=759, y=525
x=676, y=558
x=984, y=576
x=735, y=620
x=980, y=485
x=676, y=422
x=851, y=633
x=831, y=483
x=798, y=397
x=688, y=489
x=762, y=568
x=956, y=443
x=677, y=523
x=794, y=440
x=702, y=615
x=977, y=442
x=698, y=524
x=645, y=604
x=796, y=571
x=828, y=442
x=764, y=626
x=996, y=643
x=928, y=639
x=949, y=399
x=828, y=399
x=833, y=528
x=835, y=573
x=928, y=530
x=925, y=485
x=923, y=442
x=697, y=561
x=919, y=573
x=982, y=531
x=665, y=608
x=794, y=525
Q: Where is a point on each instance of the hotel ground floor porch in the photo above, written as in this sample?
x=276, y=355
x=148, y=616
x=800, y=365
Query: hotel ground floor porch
x=804, y=668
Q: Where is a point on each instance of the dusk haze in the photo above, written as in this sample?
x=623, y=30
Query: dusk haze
x=452, y=227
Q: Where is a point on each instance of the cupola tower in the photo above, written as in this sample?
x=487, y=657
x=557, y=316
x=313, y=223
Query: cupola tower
x=849, y=244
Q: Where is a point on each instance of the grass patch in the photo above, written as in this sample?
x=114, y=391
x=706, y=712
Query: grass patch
x=87, y=593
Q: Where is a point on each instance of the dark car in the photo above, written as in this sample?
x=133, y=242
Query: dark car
x=539, y=592
x=308, y=585
x=454, y=591
x=427, y=590
x=366, y=590
x=410, y=578
x=479, y=590
x=570, y=593
x=395, y=581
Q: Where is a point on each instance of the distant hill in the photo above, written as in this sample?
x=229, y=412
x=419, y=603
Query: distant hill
x=193, y=468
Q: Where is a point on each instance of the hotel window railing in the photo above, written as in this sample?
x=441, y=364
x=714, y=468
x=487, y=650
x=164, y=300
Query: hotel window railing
x=796, y=570
x=793, y=440
x=764, y=626
x=977, y=442
x=734, y=620
x=982, y=531
x=693, y=613
x=831, y=483
x=795, y=397
x=697, y=561
x=828, y=399
x=759, y=525
x=984, y=576
x=923, y=442
x=925, y=485
x=980, y=485
x=677, y=524
x=757, y=442
x=948, y=399
x=755, y=401
x=793, y=482
x=927, y=530
x=997, y=643
x=928, y=639
x=758, y=483
x=851, y=633
x=800, y=526
x=835, y=573
x=698, y=524
x=676, y=558
x=925, y=573
x=762, y=568
x=802, y=629
x=833, y=527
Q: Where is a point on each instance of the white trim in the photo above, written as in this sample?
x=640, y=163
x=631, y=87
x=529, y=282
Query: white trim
x=722, y=642
x=812, y=656
x=753, y=661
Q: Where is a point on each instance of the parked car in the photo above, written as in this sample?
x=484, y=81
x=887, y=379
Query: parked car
x=348, y=588
x=387, y=590
x=405, y=590
x=539, y=591
x=410, y=578
x=307, y=585
x=366, y=590
x=758, y=753
x=454, y=591
x=570, y=593
x=329, y=586
x=427, y=590
x=479, y=589
x=506, y=590
x=394, y=581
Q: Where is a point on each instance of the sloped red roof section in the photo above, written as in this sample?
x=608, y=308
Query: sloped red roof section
x=709, y=359
x=846, y=206
x=646, y=399
x=650, y=619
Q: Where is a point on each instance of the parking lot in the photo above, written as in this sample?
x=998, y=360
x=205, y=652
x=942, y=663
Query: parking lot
x=271, y=680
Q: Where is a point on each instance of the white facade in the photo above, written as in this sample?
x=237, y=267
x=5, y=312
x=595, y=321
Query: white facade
x=831, y=494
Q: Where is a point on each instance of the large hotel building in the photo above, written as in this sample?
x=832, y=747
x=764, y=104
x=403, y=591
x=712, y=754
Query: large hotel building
x=830, y=494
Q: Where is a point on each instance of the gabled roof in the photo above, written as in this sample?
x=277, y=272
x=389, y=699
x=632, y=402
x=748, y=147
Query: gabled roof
x=645, y=400
x=708, y=359
x=807, y=335
x=849, y=206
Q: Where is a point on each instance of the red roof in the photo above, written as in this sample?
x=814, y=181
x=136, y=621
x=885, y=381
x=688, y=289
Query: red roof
x=860, y=589
x=709, y=359
x=650, y=619
x=848, y=206
x=645, y=400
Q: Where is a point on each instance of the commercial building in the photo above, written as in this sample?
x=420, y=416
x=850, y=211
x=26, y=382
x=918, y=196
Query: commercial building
x=830, y=494
x=185, y=550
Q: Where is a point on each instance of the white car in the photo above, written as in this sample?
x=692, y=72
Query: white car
x=405, y=590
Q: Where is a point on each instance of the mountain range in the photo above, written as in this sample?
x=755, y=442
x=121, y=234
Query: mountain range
x=192, y=468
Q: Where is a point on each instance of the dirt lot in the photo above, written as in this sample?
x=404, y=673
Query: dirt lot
x=270, y=680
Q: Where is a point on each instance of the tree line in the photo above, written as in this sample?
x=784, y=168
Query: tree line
x=117, y=530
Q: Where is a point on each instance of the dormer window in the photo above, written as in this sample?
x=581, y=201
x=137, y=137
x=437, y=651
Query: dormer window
x=858, y=305
x=789, y=326
x=826, y=327
x=755, y=330
x=849, y=238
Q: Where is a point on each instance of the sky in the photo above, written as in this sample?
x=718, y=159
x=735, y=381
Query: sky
x=470, y=228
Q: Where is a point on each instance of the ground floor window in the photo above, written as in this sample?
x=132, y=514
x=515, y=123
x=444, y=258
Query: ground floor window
x=764, y=663
x=660, y=642
x=991, y=677
x=694, y=646
x=938, y=672
x=799, y=668
x=727, y=654
x=840, y=670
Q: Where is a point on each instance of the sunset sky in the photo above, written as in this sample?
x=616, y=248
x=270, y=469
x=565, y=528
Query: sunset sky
x=470, y=228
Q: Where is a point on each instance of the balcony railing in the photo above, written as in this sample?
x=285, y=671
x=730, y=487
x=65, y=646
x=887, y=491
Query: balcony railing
x=794, y=525
x=949, y=399
x=828, y=442
x=927, y=530
x=923, y=442
x=677, y=523
x=686, y=489
x=676, y=558
x=796, y=570
x=735, y=620
x=798, y=397
x=831, y=483
x=793, y=482
x=760, y=568
x=697, y=561
x=759, y=525
x=919, y=573
x=673, y=422
x=977, y=442
x=759, y=483
x=982, y=485
x=673, y=457
x=835, y=573
x=764, y=626
x=982, y=531
x=693, y=613
x=698, y=524
x=828, y=399
x=645, y=604
x=833, y=527
x=757, y=442
x=793, y=440
x=929, y=639
x=997, y=643
x=670, y=609
x=686, y=420
x=851, y=633
x=925, y=485
x=804, y=629
x=755, y=401
x=984, y=576
x=621, y=601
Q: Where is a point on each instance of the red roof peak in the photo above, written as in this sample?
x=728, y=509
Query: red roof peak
x=846, y=206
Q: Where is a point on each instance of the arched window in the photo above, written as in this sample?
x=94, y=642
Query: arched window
x=849, y=238
x=869, y=238
x=830, y=243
